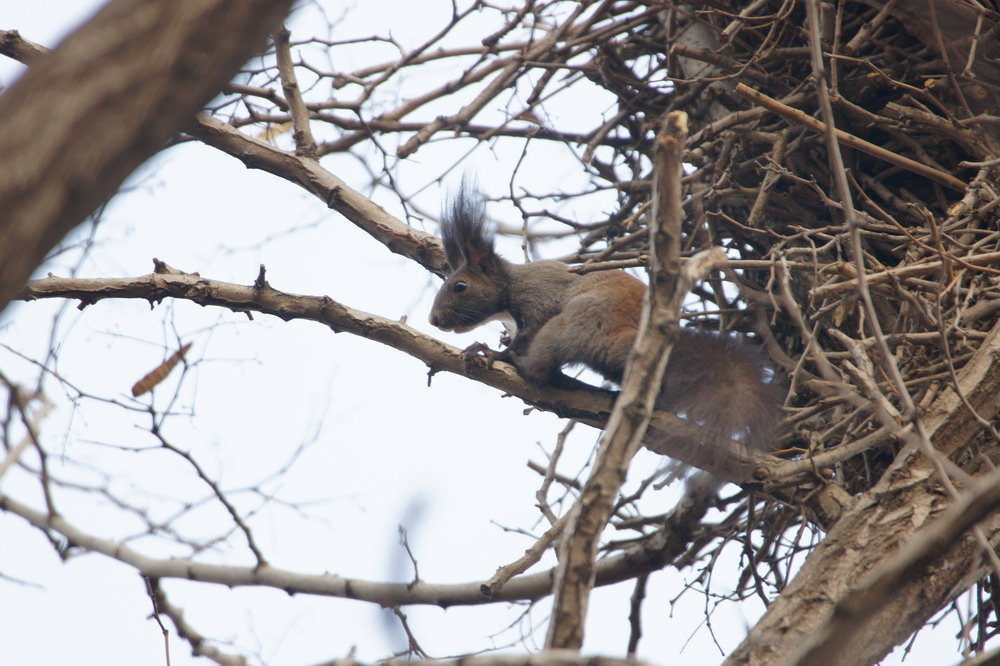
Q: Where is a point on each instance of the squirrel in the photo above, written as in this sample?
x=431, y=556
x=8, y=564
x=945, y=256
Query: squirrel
x=557, y=317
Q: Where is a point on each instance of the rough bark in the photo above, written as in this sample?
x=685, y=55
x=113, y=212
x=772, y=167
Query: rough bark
x=82, y=119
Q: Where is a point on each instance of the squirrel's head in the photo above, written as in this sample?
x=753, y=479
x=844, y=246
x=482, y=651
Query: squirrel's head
x=476, y=290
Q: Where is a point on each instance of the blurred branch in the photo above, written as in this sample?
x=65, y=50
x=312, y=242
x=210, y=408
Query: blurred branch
x=13, y=45
x=30, y=420
x=200, y=646
x=544, y=658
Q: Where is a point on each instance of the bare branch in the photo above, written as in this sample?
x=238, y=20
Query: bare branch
x=641, y=385
x=56, y=175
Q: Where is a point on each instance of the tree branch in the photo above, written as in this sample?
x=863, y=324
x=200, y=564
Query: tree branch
x=652, y=554
x=308, y=174
x=585, y=403
x=140, y=70
x=913, y=562
x=640, y=387
x=874, y=527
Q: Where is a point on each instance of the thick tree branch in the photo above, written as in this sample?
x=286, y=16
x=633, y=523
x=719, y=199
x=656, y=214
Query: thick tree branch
x=585, y=403
x=588, y=404
x=139, y=70
x=914, y=561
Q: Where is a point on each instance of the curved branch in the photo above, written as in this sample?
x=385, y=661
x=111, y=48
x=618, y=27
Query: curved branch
x=308, y=174
x=653, y=554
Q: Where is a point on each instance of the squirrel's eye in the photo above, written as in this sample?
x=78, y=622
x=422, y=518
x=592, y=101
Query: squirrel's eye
x=460, y=286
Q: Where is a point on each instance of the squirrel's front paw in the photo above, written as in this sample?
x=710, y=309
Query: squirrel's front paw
x=478, y=351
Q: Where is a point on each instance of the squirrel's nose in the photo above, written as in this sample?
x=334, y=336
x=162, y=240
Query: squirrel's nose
x=434, y=320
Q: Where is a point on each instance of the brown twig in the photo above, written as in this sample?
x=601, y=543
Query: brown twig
x=800, y=118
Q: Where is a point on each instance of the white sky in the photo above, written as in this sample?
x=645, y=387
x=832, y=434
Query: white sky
x=448, y=461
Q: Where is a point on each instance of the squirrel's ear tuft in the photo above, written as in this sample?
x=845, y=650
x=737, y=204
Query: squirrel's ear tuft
x=465, y=231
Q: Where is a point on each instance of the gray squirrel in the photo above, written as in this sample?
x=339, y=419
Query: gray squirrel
x=556, y=317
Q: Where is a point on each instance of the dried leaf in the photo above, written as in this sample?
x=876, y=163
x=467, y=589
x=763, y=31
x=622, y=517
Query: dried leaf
x=159, y=373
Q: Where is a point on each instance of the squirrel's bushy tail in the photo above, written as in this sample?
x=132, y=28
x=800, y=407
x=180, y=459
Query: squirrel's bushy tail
x=728, y=387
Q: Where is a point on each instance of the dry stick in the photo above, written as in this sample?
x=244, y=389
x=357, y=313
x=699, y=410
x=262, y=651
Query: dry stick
x=869, y=27
x=843, y=137
x=540, y=51
x=305, y=145
x=630, y=418
x=795, y=473
x=531, y=556
x=770, y=177
x=914, y=270
x=737, y=23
